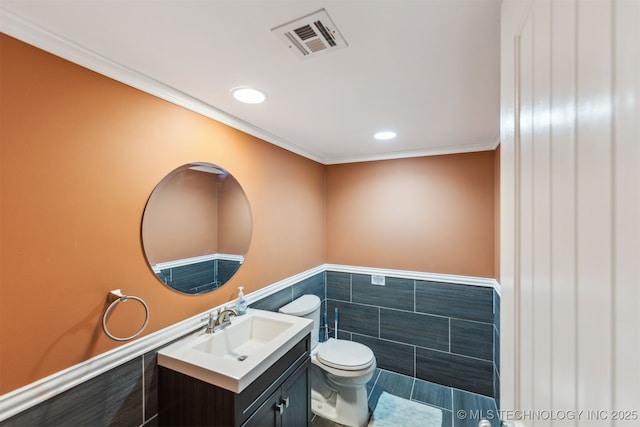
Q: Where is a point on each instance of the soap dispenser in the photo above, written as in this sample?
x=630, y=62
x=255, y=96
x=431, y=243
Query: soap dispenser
x=241, y=305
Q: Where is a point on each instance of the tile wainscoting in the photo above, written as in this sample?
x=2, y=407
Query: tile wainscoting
x=127, y=394
x=200, y=274
x=406, y=323
x=444, y=333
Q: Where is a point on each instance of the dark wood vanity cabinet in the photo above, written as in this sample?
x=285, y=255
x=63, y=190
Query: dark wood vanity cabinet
x=280, y=397
x=287, y=407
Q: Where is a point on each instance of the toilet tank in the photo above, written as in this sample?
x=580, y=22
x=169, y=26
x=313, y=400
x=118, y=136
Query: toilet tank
x=306, y=306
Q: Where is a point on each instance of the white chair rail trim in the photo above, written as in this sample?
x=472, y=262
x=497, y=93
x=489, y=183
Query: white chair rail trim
x=195, y=260
x=417, y=275
x=21, y=399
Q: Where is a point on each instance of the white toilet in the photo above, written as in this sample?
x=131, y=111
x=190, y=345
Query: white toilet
x=340, y=370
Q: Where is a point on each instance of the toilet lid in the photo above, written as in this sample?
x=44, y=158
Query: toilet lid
x=301, y=306
x=345, y=355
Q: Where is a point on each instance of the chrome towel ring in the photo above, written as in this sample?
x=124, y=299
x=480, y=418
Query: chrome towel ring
x=114, y=298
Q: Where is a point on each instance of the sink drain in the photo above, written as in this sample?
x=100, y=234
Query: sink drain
x=242, y=358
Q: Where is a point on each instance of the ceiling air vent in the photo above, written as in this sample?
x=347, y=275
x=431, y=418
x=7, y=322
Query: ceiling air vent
x=311, y=35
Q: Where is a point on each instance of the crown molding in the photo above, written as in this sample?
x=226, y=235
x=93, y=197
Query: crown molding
x=435, y=151
x=30, y=33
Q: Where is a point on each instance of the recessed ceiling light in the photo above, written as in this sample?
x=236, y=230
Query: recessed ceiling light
x=385, y=135
x=248, y=95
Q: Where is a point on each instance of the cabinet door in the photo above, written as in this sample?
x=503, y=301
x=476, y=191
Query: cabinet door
x=267, y=415
x=296, y=396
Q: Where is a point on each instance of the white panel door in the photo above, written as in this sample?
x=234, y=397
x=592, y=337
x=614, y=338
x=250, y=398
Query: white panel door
x=570, y=212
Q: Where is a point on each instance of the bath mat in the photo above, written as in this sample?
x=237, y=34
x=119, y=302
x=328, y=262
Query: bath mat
x=394, y=411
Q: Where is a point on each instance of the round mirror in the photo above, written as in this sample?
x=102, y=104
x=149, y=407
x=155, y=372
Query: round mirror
x=196, y=228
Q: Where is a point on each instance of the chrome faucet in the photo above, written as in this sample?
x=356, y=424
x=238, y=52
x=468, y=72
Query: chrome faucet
x=220, y=320
x=224, y=317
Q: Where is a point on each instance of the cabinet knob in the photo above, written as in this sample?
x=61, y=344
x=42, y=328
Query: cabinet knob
x=280, y=407
x=285, y=401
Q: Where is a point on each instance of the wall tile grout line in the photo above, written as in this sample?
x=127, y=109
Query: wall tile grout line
x=415, y=310
x=419, y=347
x=415, y=361
x=144, y=390
x=423, y=313
x=449, y=335
x=465, y=341
x=319, y=285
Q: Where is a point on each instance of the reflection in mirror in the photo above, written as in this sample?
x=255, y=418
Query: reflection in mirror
x=196, y=228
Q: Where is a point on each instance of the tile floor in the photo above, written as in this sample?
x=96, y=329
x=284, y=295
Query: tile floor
x=459, y=408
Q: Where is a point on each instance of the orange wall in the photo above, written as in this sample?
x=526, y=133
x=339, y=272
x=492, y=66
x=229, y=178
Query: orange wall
x=496, y=213
x=181, y=218
x=431, y=214
x=194, y=214
x=234, y=218
x=80, y=155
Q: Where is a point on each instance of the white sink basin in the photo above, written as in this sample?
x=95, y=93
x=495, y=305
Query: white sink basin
x=245, y=337
x=233, y=357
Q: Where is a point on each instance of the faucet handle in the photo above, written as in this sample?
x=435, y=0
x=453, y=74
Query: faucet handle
x=212, y=317
x=211, y=322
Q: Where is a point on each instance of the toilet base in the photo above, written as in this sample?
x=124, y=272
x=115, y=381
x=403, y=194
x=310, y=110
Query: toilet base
x=341, y=407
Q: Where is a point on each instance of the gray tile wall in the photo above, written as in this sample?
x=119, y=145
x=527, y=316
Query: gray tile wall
x=114, y=398
x=406, y=323
x=496, y=348
x=439, y=332
x=128, y=394
x=199, y=277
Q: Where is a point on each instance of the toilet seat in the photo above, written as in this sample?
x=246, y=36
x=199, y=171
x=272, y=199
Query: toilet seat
x=344, y=355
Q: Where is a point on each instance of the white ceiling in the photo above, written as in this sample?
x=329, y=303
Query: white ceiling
x=427, y=69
